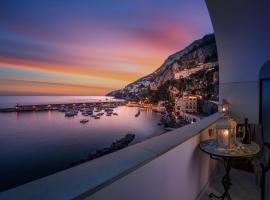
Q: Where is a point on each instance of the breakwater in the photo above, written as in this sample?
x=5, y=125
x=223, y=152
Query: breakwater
x=117, y=145
x=57, y=106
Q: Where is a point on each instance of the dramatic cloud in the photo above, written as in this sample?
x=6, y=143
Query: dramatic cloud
x=91, y=47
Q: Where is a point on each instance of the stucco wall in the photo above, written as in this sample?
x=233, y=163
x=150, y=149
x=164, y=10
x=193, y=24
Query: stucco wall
x=242, y=30
x=181, y=173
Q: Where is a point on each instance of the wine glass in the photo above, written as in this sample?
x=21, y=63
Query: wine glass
x=240, y=135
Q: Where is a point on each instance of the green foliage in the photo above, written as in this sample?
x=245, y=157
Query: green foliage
x=199, y=83
x=169, y=105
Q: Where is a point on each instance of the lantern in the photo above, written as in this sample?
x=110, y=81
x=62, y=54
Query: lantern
x=226, y=136
x=225, y=106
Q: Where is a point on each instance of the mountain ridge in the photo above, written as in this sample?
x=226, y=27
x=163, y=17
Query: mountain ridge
x=197, y=60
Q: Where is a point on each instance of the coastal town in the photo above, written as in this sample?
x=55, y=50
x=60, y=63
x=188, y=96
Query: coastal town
x=179, y=111
x=175, y=113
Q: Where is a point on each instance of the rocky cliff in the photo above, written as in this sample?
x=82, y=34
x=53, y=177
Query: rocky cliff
x=193, y=69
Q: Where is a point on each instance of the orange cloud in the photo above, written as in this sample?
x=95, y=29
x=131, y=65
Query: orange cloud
x=25, y=64
x=42, y=88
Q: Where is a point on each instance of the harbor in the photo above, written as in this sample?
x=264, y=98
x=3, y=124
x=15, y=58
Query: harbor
x=56, y=139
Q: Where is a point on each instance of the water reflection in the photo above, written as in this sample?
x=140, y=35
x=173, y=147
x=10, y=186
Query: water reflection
x=41, y=143
x=49, y=115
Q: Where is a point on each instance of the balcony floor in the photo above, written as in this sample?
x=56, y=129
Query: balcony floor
x=244, y=186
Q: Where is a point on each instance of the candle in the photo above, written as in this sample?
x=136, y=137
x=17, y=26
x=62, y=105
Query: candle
x=223, y=129
x=225, y=137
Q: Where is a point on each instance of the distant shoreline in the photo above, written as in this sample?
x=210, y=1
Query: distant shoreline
x=10, y=102
x=51, y=106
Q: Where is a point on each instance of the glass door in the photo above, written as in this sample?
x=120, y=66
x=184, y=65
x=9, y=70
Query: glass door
x=265, y=109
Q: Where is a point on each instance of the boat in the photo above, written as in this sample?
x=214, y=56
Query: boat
x=85, y=114
x=83, y=121
x=108, y=110
x=99, y=114
x=138, y=113
x=55, y=108
x=62, y=109
x=70, y=114
x=115, y=114
x=97, y=117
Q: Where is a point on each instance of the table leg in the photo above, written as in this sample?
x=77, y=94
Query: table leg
x=226, y=180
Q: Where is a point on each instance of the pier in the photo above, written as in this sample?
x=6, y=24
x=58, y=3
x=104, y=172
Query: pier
x=57, y=106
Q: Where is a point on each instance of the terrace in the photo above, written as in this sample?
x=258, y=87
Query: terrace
x=171, y=166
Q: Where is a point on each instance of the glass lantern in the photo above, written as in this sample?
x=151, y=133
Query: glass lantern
x=225, y=134
x=225, y=106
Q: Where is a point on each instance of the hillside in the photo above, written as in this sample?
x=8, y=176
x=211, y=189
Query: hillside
x=193, y=69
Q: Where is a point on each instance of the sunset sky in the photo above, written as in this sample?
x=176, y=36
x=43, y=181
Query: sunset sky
x=91, y=47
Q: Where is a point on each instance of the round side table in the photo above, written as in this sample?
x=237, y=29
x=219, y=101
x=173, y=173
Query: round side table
x=228, y=157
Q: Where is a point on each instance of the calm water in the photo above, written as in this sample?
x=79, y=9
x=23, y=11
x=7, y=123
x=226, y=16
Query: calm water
x=36, y=144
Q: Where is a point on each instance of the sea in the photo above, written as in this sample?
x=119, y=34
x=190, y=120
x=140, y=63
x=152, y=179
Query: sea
x=39, y=143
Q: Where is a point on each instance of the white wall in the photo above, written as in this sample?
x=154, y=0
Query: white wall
x=181, y=173
x=242, y=30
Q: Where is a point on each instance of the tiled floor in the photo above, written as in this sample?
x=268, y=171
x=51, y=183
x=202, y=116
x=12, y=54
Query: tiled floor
x=244, y=186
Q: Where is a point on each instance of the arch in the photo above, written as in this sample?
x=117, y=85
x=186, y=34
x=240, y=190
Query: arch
x=265, y=70
x=242, y=35
x=264, y=100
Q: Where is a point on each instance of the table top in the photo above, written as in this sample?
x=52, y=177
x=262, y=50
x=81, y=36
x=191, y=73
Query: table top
x=245, y=150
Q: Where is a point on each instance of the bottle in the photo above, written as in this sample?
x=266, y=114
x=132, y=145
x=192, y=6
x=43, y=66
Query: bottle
x=247, y=137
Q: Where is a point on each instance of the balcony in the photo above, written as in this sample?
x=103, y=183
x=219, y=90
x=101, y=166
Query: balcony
x=244, y=186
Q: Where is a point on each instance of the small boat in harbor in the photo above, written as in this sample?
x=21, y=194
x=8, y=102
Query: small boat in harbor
x=55, y=108
x=85, y=114
x=138, y=113
x=97, y=117
x=83, y=121
x=115, y=114
x=70, y=113
x=108, y=110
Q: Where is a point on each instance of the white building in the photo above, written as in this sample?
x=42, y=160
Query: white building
x=186, y=104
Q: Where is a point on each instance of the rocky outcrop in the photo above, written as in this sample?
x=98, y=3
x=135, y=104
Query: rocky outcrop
x=117, y=145
x=194, y=69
